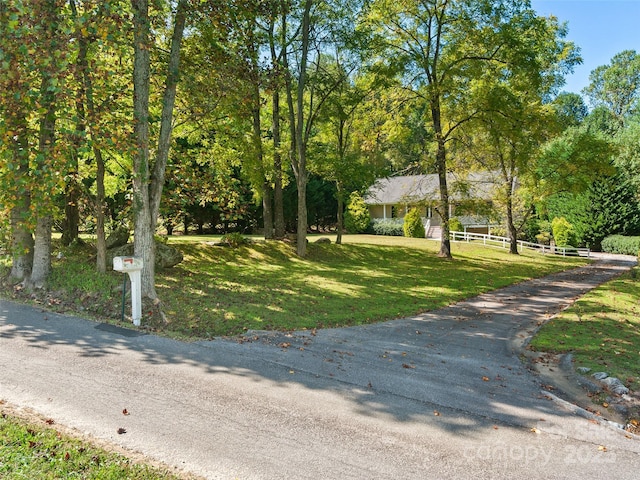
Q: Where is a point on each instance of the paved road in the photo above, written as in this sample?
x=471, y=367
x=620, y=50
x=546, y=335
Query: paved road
x=440, y=395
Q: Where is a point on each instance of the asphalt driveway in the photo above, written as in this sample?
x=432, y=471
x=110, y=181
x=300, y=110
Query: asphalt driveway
x=439, y=395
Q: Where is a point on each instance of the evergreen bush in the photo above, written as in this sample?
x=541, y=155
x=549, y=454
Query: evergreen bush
x=413, y=226
x=388, y=226
x=356, y=216
x=621, y=244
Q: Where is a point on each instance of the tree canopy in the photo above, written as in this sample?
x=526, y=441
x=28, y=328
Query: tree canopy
x=265, y=116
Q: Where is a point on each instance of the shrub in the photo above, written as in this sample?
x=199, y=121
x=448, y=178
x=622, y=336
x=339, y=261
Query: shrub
x=544, y=232
x=455, y=225
x=530, y=229
x=621, y=244
x=562, y=232
x=413, y=226
x=388, y=226
x=499, y=231
x=233, y=240
x=356, y=216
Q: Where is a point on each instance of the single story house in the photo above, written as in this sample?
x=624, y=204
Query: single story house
x=470, y=199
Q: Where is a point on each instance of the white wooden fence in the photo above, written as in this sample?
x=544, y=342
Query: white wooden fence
x=503, y=242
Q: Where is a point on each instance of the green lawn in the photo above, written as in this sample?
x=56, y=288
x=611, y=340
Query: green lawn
x=602, y=330
x=223, y=291
x=29, y=450
x=220, y=291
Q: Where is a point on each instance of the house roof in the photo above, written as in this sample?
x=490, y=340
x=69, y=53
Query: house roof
x=416, y=188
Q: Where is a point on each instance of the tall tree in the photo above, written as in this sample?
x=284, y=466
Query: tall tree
x=34, y=53
x=337, y=155
x=440, y=47
x=16, y=77
x=616, y=86
x=503, y=139
x=102, y=46
x=512, y=118
x=298, y=123
x=319, y=26
x=570, y=108
x=148, y=177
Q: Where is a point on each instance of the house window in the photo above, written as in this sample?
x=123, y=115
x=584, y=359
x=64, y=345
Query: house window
x=394, y=211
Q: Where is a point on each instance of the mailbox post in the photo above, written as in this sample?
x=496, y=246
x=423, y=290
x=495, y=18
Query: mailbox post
x=133, y=267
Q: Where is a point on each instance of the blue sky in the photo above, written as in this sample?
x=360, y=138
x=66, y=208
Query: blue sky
x=601, y=28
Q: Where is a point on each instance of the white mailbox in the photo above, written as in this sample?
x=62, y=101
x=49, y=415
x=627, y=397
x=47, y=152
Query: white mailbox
x=127, y=264
x=133, y=267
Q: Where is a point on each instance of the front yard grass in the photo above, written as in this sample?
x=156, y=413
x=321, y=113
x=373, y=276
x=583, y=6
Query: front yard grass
x=265, y=286
x=220, y=291
x=601, y=330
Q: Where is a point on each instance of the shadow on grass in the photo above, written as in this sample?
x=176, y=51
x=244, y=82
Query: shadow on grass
x=222, y=291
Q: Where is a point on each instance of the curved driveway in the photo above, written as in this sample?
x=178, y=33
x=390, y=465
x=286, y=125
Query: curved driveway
x=440, y=395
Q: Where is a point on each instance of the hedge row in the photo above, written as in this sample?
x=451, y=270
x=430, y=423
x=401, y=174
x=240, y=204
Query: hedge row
x=393, y=227
x=621, y=244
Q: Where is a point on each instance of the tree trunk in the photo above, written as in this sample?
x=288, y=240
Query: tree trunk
x=301, y=236
x=42, y=253
x=71, y=224
x=511, y=229
x=340, y=225
x=86, y=92
x=101, y=244
x=72, y=191
x=168, y=103
x=147, y=191
x=278, y=198
x=71, y=230
x=441, y=167
x=267, y=210
x=143, y=236
x=42, y=244
x=21, y=237
x=443, y=210
x=300, y=169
